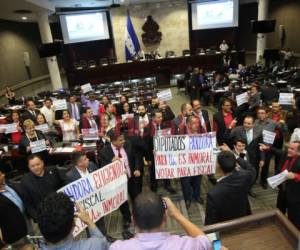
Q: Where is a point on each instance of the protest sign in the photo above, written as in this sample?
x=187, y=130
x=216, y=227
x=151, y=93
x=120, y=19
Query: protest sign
x=268, y=137
x=86, y=88
x=241, y=99
x=11, y=128
x=99, y=193
x=60, y=104
x=165, y=95
x=127, y=116
x=90, y=134
x=184, y=155
x=286, y=98
x=38, y=146
x=276, y=180
x=44, y=128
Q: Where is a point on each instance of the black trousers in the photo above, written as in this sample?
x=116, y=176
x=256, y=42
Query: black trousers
x=292, y=209
x=191, y=187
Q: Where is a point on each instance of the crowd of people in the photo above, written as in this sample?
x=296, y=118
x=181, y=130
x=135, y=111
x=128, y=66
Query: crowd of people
x=126, y=132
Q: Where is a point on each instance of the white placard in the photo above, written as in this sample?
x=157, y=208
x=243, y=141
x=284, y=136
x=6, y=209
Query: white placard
x=268, y=137
x=178, y=156
x=286, y=98
x=276, y=180
x=132, y=100
x=60, y=104
x=38, y=146
x=99, y=193
x=165, y=95
x=127, y=116
x=241, y=99
x=90, y=134
x=11, y=128
x=86, y=88
x=44, y=128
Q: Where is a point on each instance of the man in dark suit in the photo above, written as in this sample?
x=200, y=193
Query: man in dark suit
x=12, y=222
x=31, y=112
x=74, y=107
x=115, y=151
x=253, y=136
x=223, y=119
x=288, y=199
x=82, y=167
x=229, y=197
x=39, y=183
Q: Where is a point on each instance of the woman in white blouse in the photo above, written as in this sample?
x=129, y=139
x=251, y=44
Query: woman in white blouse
x=69, y=127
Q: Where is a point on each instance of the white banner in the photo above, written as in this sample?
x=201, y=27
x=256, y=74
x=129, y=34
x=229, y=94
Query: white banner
x=100, y=192
x=184, y=155
x=44, y=128
x=90, y=134
x=286, y=98
x=127, y=116
x=60, y=104
x=268, y=137
x=165, y=95
x=11, y=128
x=86, y=88
x=241, y=99
x=38, y=146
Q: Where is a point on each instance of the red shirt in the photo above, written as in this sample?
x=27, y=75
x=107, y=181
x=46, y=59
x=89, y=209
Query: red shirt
x=228, y=118
x=289, y=164
x=276, y=117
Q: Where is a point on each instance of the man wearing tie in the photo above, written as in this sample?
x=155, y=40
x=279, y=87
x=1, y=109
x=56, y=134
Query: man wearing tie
x=253, y=136
x=74, y=108
x=116, y=151
x=31, y=112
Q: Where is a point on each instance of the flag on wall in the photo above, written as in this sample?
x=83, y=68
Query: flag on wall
x=132, y=45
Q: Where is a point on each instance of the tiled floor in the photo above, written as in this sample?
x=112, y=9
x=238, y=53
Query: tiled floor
x=266, y=199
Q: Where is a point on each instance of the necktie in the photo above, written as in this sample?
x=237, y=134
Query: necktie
x=33, y=113
x=127, y=167
x=74, y=114
x=119, y=153
x=248, y=134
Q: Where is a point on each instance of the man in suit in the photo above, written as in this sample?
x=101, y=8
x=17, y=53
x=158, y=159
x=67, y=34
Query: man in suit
x=88, y=120
x=31, y=112
x=288, y=199
x=74, y=107
x=115, y=151
x=39, y=183
x=82, y=167
x=223, y=119
x=228, y=199
x=12, y=222
x=254, y=99
x=180, y=121
x=202, y=114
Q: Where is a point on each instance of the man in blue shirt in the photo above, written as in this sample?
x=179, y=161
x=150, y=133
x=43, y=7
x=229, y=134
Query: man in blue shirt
x=56, y=222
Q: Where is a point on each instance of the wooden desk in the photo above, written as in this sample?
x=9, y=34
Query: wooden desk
x=162, y=69
x=264, y=231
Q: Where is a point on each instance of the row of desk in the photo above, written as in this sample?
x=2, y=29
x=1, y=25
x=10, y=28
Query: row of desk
x=162, y=69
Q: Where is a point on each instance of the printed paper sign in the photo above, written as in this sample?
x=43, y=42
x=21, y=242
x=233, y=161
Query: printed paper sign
x=241, y=99
x=99, y=193
x=286, y=98
x=276, y=180
x=86, y=88
x=38, y=146
x=165, y=95
x=268, y=137
x=60, y=104
x=90, y=134
x=184, y=155
x=132, y=100
x=11, y=128
x=44, y=128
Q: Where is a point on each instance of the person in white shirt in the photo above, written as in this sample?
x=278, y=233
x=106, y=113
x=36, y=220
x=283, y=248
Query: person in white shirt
x=47, y=111
x=224, y=47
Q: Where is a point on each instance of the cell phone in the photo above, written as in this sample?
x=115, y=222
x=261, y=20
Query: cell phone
x=217, y=245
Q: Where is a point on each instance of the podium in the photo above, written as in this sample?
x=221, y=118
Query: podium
x=263, y=231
